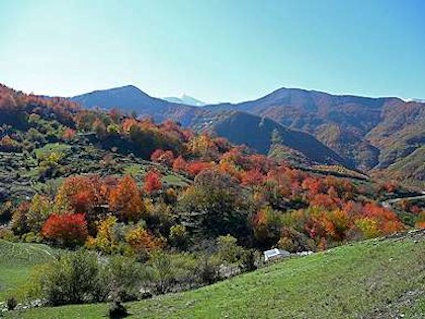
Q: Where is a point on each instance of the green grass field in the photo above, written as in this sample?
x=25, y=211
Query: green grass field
x=373, y=279
x=16, y=262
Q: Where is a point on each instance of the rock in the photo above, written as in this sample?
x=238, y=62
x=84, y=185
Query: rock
x=117, y=310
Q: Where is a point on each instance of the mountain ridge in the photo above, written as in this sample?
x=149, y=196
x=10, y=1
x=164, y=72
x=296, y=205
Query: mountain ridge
x=369, y=133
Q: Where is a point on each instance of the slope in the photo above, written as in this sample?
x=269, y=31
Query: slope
x=17, y=261
x=256, y=132
x=381, y=278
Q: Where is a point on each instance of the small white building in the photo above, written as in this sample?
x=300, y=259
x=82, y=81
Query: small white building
x=275, y=253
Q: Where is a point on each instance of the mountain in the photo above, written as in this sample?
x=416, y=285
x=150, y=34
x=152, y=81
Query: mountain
x=131, y=99
x=369, y=133
x=185, y=99
x=257, y=133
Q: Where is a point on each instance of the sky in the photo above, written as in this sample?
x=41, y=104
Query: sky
x=214, y=50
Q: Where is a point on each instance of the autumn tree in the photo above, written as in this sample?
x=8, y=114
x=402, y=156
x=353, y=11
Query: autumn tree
x=215, y=205
x=19, y=222
x=179, y=164
x=106, y=239
x=252, y=177
x=267, y=224
x=141, y=241
x=80, y=193
x=38, y=212
x=163, y=157
x=125, y=200
x=67, y=229
x=152, y=182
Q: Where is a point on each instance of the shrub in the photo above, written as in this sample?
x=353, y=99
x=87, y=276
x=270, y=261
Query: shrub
x=172, y=272
x=209, y=269
x=228, y=250
x=121, y=277
x=117, y=310
x=72, y=278
x=179, y=236
x=81, y=277
x=249, y=260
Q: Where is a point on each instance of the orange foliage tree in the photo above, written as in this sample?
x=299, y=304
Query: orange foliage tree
x=125, y=200
x=163, y=157
x=81, y=193
x=179, y=164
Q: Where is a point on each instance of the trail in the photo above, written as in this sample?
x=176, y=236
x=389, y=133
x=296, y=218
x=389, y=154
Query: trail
x=387, y=203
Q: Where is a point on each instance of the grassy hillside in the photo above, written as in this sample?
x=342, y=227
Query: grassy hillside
x=16, y=262
x=381, y=278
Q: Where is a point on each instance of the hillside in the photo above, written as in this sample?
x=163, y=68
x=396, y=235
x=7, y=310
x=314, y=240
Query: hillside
x=382, y=278
x=17, y=261
x=256, y=132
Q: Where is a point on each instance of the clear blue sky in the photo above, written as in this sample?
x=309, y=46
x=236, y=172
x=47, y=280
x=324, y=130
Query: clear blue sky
x=224, y=50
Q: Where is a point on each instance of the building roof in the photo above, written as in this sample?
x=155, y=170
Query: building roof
x=275, y=253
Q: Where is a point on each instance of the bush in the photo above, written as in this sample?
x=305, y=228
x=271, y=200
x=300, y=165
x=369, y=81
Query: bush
x=117, y=310
x=72, y=278
x=228, y=250
x=81, y=277
x=173, y=272
x=209, y=269
x=249, y=260
x=121, y=277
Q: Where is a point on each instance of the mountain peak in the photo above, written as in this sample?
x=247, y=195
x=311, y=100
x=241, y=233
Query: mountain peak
x=185, y=99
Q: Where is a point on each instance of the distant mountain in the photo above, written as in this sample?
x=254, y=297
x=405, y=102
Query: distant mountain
x=131, y=99
x=185, y=99
x=341, y=122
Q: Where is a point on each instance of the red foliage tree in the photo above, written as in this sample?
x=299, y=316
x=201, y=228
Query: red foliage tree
x=69, y=230
x=152, y=182
x=194, y=168
x=68, y=134
x=252, y=177
x=81, y=193
x=325, y=201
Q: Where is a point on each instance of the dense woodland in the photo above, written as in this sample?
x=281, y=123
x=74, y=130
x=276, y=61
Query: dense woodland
x=232, y=205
